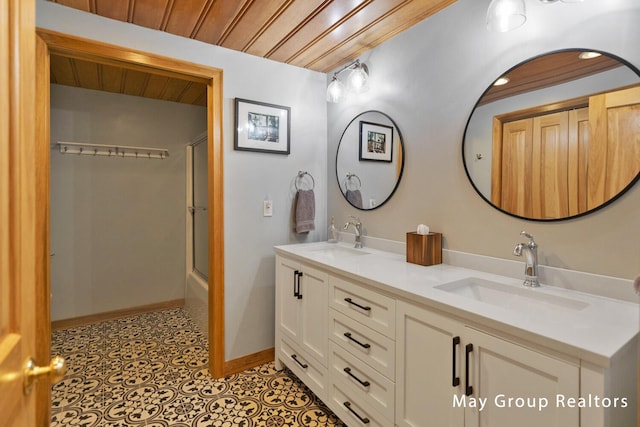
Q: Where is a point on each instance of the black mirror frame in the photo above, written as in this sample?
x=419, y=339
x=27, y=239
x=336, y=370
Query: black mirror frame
x=402, y=143
x=464, y=162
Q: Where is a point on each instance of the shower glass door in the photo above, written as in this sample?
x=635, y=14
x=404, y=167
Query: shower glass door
x=199, y=209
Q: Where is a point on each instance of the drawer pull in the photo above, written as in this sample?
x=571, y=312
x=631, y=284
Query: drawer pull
x=297, y=293
x=303, y=365
x=455, y=380
x=350, y=301
x=468, y=350
x=347, y=405
x=348, y=335
x=362, y=383
x=296, y=283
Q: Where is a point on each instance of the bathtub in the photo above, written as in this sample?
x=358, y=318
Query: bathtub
x=196, y=301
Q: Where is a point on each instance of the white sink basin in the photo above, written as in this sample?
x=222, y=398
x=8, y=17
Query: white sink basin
x=334, y=251
x=522, y=299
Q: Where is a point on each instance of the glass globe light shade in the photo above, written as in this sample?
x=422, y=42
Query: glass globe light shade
x=336, y=90
x=505, y=15
x=358, y=79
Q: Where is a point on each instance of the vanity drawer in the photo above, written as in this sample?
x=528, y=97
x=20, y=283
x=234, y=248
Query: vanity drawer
x=353, y=411
x=365, y=305
x=369, y=346
x=306, y=368
x=361, y=380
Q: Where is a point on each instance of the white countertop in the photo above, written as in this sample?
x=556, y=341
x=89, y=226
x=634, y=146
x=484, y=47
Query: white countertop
x=594, y=333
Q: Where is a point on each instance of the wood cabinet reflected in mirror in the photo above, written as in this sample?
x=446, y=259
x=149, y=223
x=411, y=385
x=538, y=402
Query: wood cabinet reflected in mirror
x=563, y=141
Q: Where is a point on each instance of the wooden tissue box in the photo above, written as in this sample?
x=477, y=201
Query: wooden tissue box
x=424, y=249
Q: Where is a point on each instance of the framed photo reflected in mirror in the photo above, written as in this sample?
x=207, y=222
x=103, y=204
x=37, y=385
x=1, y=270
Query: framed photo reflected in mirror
x=376, y=142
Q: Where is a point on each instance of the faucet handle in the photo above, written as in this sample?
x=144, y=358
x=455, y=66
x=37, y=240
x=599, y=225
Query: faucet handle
x=355, y=218
x=527, y=235
x=532, y=243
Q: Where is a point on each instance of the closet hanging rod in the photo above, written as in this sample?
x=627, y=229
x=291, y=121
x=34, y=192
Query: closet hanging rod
x=112, y=150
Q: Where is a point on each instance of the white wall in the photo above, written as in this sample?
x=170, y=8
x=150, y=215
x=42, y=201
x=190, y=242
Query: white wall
x=117, y=224
x=249, y=177
x=429, y=78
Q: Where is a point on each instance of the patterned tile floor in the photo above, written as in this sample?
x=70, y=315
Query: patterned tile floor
x=151, y=370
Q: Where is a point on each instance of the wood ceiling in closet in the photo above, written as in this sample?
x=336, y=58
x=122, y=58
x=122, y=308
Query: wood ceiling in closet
x=76, y=72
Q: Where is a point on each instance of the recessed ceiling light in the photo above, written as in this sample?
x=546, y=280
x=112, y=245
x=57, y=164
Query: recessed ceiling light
x=589, y=55
x=501, y=81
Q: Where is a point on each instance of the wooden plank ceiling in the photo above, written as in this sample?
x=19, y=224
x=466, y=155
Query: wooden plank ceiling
x=321, y=35
x=317, y=34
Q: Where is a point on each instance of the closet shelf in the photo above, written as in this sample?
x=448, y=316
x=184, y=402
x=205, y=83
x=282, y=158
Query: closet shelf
x=112, y=150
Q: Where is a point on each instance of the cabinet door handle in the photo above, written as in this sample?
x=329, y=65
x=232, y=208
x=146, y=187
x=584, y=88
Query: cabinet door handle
x=469, y=389
x=299, y=292
x=295, y=283
x=455, y=380
x=302, y=365
x=362, y=383
x=348, y=335
x=350, y=301
x=347, y=405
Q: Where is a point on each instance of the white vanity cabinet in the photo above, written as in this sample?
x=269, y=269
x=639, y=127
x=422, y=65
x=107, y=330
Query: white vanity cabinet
x=455, y=375
x=301, y=322
x=398, y=350
x=362, y=362
x=428, y=374
x=520, y=385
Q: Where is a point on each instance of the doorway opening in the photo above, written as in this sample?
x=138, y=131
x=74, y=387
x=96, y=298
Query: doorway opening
x=48, y=43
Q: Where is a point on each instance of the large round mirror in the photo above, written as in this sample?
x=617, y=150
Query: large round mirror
x=369, y=160
x=557, y=136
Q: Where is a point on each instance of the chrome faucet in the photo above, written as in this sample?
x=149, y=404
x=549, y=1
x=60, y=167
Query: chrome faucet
x=357, y=225
x=531, y=260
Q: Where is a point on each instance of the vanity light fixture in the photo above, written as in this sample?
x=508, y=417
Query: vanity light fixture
x=359, y=78
x=507, y=15
x=357, y=82
x=336, y=90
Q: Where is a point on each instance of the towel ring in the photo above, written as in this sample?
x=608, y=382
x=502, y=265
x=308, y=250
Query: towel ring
x=350, y=176
x=301, y=175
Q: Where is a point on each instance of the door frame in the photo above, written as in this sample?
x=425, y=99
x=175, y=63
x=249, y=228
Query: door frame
x=49, y=42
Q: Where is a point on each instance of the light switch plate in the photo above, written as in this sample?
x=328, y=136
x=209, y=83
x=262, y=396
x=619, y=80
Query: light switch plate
x=267, y=208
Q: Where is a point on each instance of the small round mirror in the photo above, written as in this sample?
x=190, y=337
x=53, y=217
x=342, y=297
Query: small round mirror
x=369, y=160
x=557, y=136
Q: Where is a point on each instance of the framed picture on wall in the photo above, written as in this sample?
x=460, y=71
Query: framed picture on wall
x=376, y=142
x=262, y=127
